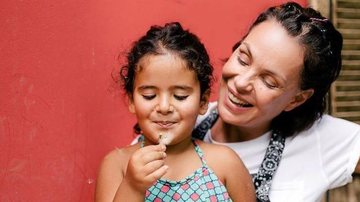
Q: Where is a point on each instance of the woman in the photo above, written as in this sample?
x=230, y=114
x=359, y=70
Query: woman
x=271, y=103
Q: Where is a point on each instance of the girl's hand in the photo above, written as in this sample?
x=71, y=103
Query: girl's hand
x=146, y=166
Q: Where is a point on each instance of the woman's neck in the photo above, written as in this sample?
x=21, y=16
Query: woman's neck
x=224, y=132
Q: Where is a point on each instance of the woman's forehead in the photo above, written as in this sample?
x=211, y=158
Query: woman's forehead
x=272, y=47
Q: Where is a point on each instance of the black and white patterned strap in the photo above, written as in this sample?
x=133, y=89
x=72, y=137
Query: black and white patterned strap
x=262, y=180
x=200, y=131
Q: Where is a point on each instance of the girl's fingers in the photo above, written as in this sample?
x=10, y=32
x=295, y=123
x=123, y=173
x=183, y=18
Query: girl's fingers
x=157, y=147
x=152, y=156
x=151, y=153
x=153, y=166
x=157, y=174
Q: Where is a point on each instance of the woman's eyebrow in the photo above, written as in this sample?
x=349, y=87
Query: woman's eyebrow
x=248, y=48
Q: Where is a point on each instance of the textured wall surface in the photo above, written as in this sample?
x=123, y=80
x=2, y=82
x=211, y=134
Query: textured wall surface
x=60, y=111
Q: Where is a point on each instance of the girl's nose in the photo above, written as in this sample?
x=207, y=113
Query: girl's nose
x=164, y=106
x=244, y=82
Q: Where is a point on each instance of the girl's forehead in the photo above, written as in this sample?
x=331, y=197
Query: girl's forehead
x=162, y=64
x=162, y=58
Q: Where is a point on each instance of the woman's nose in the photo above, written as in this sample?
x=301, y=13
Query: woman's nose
x=244, y=82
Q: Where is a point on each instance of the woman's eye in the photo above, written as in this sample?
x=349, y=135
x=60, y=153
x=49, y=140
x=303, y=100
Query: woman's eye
x=270, y=84
x=148, y=97
x=243, y=58
x=242, y=62
x=181, y=97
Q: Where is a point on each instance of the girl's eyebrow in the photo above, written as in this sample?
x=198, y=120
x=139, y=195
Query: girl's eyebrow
x=182, y=87
x=144, y=87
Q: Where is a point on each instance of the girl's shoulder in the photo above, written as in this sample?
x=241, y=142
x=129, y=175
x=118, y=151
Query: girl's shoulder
x=228, y=167
x=218, y=154
x=111, y=170
x=118, y=157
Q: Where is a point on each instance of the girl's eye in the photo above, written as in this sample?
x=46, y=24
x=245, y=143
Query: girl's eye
x=148, y=97
x=181, y=97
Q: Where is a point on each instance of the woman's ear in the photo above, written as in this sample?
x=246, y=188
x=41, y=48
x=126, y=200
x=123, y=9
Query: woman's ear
x=204, y=102
x=299, y=99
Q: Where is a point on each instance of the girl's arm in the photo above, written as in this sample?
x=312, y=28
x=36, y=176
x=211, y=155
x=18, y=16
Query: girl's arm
x=237, y=179
x=126, y=174
x=110, y=176
x=233, y=173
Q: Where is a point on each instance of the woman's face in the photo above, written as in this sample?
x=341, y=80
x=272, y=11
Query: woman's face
x=262, y=78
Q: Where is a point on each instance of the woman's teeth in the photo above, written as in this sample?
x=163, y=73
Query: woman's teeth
x=236, y=101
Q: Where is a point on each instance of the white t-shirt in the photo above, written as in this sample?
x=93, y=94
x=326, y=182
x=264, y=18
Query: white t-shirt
x=313, y=161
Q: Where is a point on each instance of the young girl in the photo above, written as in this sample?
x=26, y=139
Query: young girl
x=167, y=81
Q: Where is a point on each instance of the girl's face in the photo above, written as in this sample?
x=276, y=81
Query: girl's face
x=262, y=78
x=166, y=98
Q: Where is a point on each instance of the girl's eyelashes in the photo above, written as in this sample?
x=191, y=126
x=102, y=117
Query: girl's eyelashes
x=148, y=97
x=177, y=97
x=181, y=97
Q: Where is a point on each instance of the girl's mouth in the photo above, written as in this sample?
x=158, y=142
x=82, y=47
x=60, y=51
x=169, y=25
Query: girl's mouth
x=165, y=124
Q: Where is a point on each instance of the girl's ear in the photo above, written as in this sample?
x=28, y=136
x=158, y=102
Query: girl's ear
x=130, y=102
x=299, y=99
x=204, y=102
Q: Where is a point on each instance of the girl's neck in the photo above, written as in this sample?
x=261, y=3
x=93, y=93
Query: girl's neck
x=178, y=148
x=182, y=160
x=224, y=132
x=175, y=149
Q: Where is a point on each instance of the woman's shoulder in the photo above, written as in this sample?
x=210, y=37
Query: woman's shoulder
x=330, y=124
x=327, y=119
x=327, y=132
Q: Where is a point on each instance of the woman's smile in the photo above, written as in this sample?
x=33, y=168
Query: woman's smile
x=237, y=101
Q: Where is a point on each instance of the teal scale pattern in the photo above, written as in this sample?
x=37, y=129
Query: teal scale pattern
x=202, y=185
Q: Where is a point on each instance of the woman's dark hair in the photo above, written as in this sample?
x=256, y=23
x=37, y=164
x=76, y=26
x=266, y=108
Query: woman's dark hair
x=169, y=38
x=322, y=61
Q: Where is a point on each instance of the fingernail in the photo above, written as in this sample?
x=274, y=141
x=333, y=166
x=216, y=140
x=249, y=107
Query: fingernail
x=163, y=147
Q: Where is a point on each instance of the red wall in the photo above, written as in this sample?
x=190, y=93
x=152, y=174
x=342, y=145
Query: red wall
x=60, y=111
